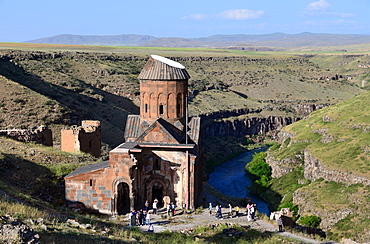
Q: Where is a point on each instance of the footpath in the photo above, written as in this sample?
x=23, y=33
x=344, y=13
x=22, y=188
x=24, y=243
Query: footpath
x=185, y=222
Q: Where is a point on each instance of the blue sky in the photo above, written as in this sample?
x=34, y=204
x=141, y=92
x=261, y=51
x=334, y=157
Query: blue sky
x=22, y=20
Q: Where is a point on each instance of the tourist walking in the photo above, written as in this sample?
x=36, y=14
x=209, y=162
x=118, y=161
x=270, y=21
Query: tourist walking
x=219, y=212
x=210, y=209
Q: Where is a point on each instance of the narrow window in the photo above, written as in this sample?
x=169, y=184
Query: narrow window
x=178, y=105
x=91, y=182
x=161, y=109
x=157, y=165
x=146, y=108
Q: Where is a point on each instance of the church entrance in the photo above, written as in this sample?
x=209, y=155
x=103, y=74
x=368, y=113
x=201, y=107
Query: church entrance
x=123, y=198
x=157, y=193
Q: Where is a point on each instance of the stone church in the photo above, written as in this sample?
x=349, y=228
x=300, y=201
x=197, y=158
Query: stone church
x=160, y=158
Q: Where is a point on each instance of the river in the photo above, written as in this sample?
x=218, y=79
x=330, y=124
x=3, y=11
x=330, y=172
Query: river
x=230, y=179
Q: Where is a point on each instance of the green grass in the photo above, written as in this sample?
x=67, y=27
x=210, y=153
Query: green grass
x=347, y=150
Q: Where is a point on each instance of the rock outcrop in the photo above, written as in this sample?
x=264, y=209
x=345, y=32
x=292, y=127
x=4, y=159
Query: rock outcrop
x=13, y=230
x=248, y=126
x=314, y=169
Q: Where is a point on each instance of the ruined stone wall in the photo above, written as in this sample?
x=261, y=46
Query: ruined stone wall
x=41, y=135
x=85, y=138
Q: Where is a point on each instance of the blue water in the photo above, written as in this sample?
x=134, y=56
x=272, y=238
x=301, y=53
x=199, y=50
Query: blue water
x=230, y=179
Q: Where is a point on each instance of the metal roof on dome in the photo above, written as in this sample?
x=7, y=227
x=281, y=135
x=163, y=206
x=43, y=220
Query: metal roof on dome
x=161, y=68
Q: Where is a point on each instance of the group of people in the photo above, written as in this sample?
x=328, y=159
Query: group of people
x=141, y=217
x=170, y=209
x=250, y=211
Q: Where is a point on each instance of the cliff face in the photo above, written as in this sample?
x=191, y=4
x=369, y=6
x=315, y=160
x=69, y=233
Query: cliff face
x=249, y=126
x=314, y=169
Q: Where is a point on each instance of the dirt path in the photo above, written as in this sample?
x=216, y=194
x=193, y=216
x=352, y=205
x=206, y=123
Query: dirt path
x=188, y=221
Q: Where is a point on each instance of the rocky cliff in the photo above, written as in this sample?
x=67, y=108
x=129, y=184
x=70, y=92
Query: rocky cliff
x=248, y=126
x=314, y=169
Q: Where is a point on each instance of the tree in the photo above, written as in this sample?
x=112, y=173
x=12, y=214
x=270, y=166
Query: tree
x=310, y=221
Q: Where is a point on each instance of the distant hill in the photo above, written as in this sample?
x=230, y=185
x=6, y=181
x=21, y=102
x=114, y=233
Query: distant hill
x=268, y=40
x=116, y=40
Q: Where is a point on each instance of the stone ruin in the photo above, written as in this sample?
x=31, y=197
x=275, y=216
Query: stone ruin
x=85, y=138
x=41, y=135
x=13, y=230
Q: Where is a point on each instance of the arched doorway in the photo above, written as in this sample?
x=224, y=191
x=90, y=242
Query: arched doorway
x=123, y=198
x=157, y=193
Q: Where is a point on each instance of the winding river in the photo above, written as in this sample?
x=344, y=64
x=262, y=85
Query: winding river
x=230, y=179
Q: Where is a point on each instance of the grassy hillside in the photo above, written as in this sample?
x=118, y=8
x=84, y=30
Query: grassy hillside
x=339, y=137
x=348, y=125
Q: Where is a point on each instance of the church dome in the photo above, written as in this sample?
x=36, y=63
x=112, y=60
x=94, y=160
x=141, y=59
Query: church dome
x=161, y=68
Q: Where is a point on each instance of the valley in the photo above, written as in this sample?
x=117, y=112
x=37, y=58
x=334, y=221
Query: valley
x=243, y=98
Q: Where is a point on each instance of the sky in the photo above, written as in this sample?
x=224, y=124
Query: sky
x=23, y=20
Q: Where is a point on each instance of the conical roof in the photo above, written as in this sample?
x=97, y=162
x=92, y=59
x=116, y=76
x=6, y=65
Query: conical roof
x=161, y=68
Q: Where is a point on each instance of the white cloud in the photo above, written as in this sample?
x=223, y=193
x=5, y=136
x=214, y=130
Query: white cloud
x=195, y=16
x=241, y=14
x=320, y=5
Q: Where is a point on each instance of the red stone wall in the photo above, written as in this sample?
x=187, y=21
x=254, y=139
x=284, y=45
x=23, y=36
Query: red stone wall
x=86, y=138
x=169, y=94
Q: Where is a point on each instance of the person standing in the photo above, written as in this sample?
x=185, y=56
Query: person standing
x=133, y=218
x=155, y=206
x=144, y=217
x=168, y=209
x=237, y=211
x=280, y=224
x=253, y=211
x=147, y=221
x=210, y=209
x=147, y=206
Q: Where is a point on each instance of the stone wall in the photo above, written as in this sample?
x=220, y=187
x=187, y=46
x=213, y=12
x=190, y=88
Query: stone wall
x=314, y=169
x=42, y=135
x=85, y=138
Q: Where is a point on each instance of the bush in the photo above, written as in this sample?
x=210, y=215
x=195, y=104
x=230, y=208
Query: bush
x=291, y=206
x=258, y=168
x=310, y=221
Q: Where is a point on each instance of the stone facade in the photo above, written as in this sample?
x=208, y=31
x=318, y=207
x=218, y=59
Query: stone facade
x=85, y=138
x=161, y=157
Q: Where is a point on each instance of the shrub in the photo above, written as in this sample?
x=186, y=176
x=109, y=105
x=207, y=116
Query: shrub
x=310, y=221
x=258, y=167
x=291, y=206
